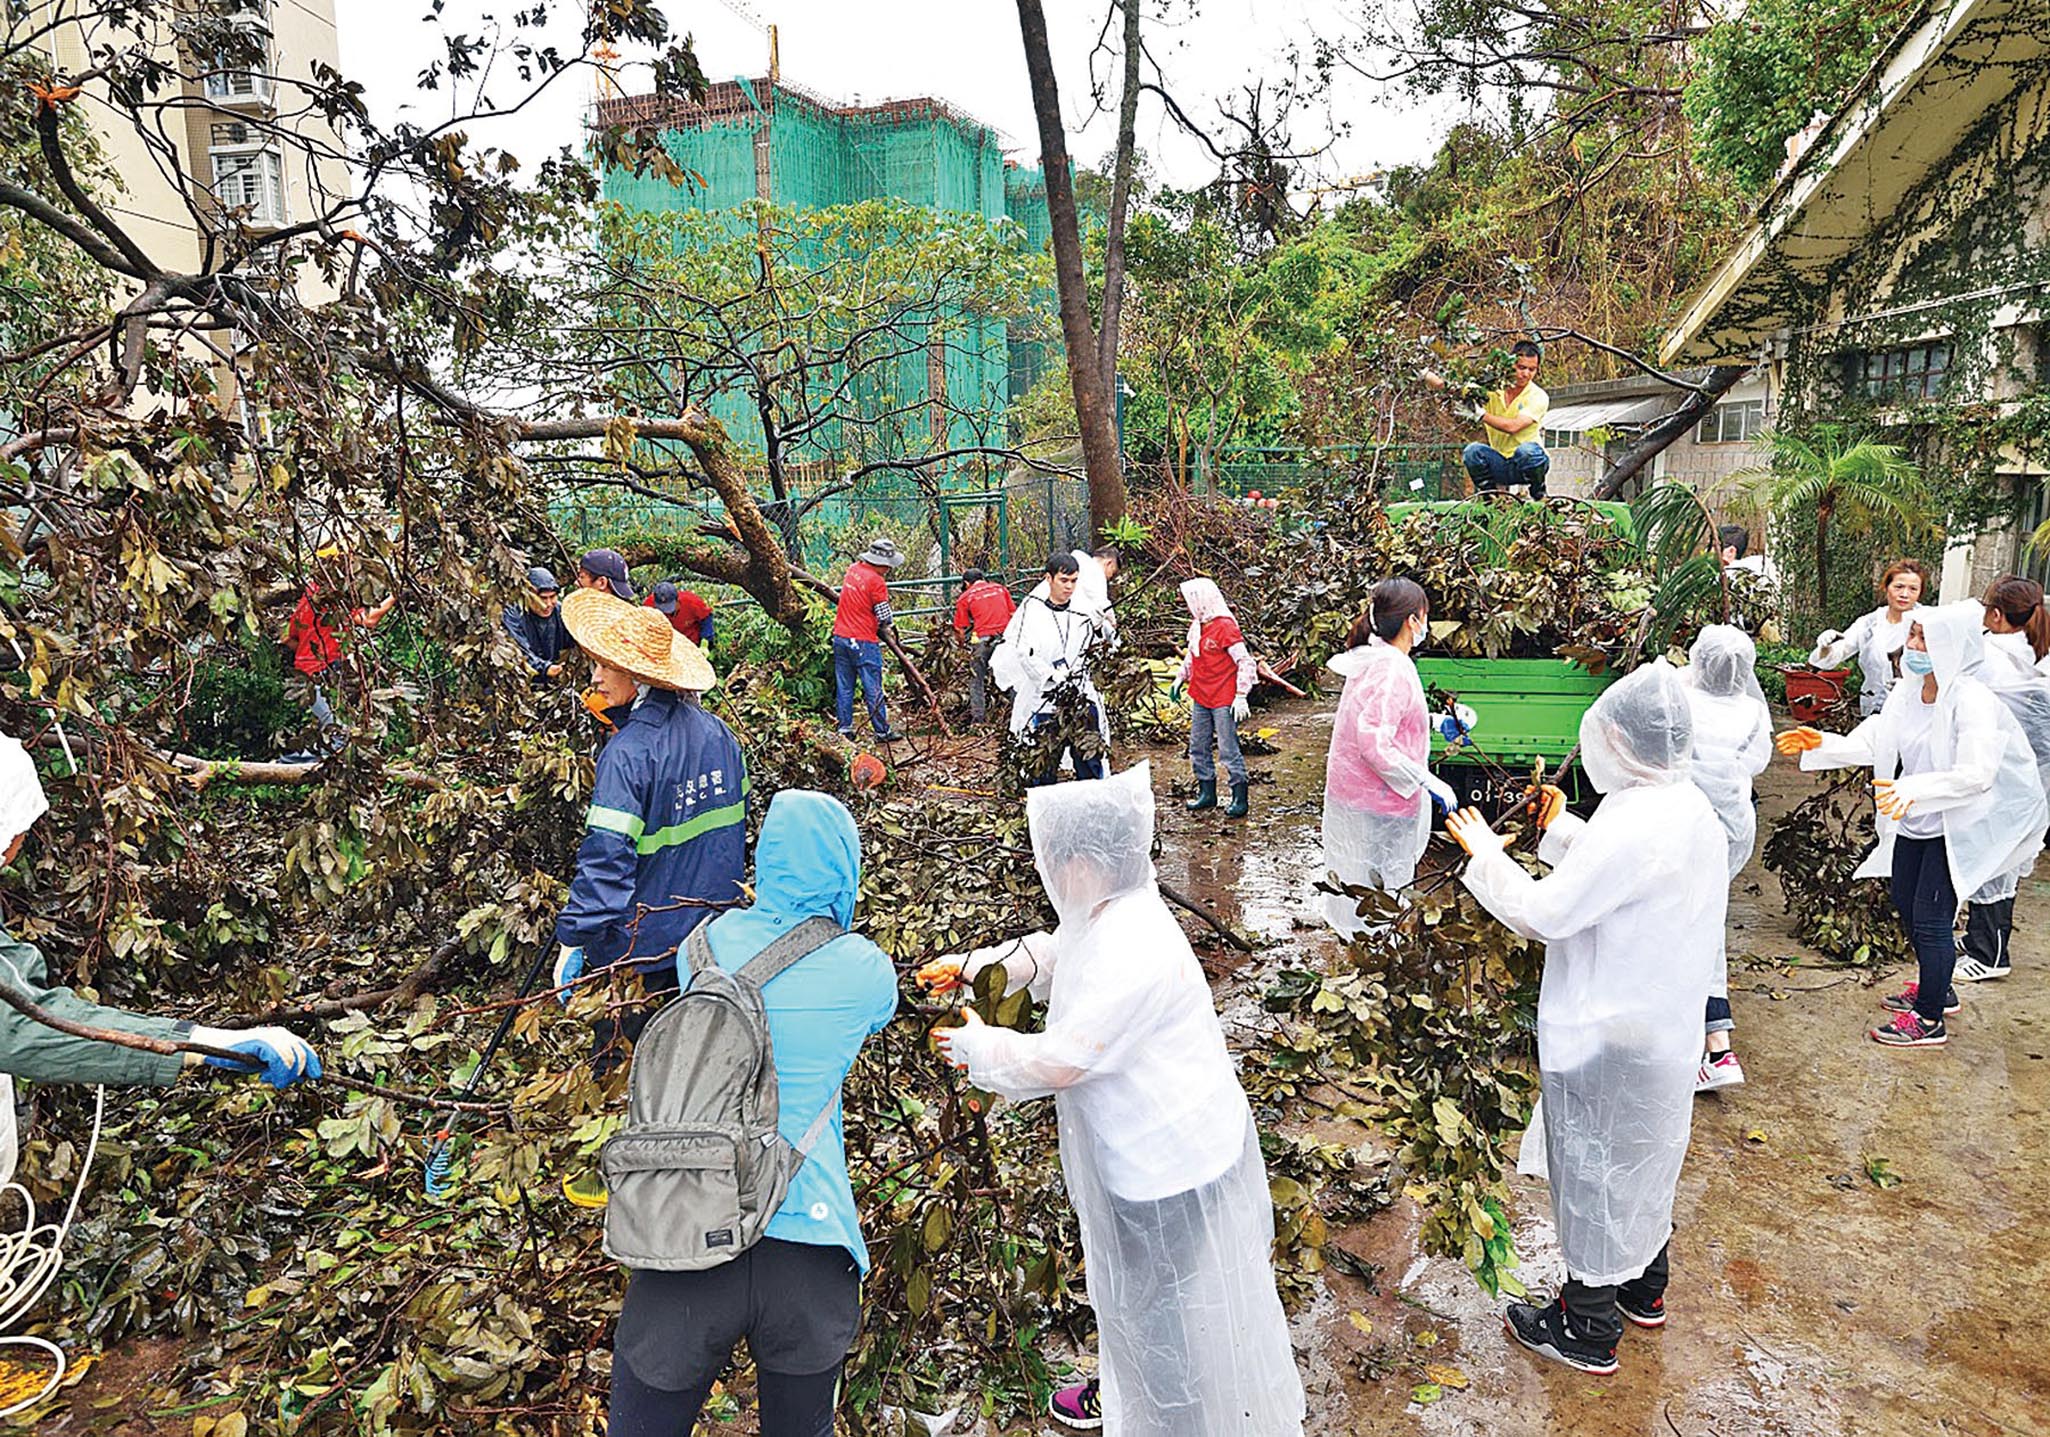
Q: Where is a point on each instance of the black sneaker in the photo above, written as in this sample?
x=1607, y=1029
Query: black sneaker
x=1641, y=1312
x=1544, y=1331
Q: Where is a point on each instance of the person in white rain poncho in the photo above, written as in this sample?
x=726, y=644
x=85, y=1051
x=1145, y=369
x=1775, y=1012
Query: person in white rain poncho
x=1157, y=1142
x=1046, y=647
x=1875, y=639
x=2017, y=643
x=1732, y=746
x=1959, y=797
x=1631, y=917
x=1378, y=787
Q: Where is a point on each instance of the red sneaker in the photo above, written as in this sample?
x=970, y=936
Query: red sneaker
x=1911, y=1030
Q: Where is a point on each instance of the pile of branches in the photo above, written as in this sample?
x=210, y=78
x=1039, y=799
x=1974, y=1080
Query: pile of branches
x=1427, y=1029
x=1813, y=851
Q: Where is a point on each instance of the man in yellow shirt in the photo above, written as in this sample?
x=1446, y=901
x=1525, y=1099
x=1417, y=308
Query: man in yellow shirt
x=1513, y=416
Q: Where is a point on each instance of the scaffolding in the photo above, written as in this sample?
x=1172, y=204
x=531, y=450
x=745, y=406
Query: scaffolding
x=770, y=139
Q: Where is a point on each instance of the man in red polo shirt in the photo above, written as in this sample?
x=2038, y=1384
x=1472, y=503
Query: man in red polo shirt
x=858, y=627
x=980, y=616
x=688, y=614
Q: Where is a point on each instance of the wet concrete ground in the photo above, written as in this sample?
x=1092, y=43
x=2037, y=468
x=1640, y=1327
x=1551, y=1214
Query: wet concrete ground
x=1806, y=1299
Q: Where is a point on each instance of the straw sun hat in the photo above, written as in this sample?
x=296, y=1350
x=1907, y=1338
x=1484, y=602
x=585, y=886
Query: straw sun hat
x=636, y=640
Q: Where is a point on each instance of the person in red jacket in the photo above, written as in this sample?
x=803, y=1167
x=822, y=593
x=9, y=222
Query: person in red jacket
x=858, y=626
x=1219, y=672
x=688, y=614
x=316, y=648
x=980, y=616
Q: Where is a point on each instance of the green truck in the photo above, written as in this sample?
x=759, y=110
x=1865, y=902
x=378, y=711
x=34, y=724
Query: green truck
x=1524, y=709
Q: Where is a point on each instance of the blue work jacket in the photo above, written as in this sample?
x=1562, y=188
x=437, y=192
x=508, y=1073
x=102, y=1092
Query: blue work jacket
x=668, y=821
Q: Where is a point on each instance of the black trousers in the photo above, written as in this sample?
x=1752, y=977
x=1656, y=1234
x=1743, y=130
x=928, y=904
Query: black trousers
x=797, y=1304
x=613, y=1036
x=1927, y=901
x=1591, y=1311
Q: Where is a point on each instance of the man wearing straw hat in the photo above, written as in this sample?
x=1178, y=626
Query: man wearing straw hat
x=859, y=624
x=666, y=837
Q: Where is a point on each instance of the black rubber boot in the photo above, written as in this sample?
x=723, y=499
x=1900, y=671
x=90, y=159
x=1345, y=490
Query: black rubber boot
x=1206, y=795
x=1238, y=806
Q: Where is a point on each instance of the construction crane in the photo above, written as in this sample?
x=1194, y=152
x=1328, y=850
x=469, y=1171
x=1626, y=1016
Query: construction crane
x=746, y=12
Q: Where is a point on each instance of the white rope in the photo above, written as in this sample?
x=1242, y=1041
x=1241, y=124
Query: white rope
x=30, y=1260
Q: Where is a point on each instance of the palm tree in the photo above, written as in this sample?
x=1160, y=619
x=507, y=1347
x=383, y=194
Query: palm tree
x=1855, y=480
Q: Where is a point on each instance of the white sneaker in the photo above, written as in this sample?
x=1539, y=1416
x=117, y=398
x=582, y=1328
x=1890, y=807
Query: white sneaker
x=1971, y=970
x=1721, y=1071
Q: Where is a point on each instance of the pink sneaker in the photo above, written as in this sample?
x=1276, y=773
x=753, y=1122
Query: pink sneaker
x=1911, y=1030
x=1078, y=1406
x=1904, y=1001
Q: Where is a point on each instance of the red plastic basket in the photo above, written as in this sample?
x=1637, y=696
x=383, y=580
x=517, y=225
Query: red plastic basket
x=1810, y=691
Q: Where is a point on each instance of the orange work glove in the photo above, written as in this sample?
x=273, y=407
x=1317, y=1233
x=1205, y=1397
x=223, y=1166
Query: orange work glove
x=1548, y=802
x=942, y=975
x=1798, y=741
x=1888, y=800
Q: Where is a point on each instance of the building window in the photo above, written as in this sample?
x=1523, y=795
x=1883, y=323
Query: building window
x=1914, y=371
x=237, y=85
x=1563, y=438
x=252, y=181
x=1732, y=423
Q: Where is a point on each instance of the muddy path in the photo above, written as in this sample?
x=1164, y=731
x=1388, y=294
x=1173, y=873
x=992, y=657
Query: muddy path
x=1806, y=1298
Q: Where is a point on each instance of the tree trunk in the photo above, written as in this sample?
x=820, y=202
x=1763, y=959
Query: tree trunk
x=1824, y=511
x=1655, y=440
x=1094, y=414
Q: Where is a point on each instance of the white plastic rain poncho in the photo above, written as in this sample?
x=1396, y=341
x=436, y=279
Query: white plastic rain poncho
x=1043, y=647
x=1631, y=917
x=1157, y=1143
x=1982, y=782
x=1377, y=779
x=1875, y=643
x=1732, y=731
x=2011, y=671
x=22, y=802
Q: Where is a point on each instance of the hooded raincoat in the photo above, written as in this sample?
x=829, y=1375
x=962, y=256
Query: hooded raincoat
x=1875, y=643
x=1631, y=917
x=1732, y=731
x=1983, y=781
x=1157, y=1142
x=808, y=864
x=1377, y=802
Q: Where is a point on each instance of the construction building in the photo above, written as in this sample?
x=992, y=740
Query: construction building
x=768, y=139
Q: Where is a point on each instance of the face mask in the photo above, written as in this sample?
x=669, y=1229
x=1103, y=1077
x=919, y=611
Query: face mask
x=1423, y=632
x=1917, y=661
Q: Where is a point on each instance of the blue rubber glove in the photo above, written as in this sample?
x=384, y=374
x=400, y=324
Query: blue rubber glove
x=1455, y=726
x=1442, y=797
x=286, y=1058
x=569, y=966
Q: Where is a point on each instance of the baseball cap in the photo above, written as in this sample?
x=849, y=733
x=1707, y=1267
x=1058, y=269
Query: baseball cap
x=609, y=565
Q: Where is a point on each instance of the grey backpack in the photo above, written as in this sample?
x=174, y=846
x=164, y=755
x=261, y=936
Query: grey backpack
x=699, y=1168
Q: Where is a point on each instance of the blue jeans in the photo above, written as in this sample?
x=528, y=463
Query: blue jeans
x=863, y=659
x=1202, y=724
x=1492, y=469
x=1084, y=767
x=1927, y=901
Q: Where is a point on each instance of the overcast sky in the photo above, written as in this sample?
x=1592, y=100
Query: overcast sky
x=966, y=52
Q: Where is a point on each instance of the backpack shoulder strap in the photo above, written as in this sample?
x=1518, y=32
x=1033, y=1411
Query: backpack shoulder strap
x=696, y=954
x=800, y=942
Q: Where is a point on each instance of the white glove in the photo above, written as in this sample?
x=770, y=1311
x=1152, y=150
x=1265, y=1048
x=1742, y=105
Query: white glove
x=1441, y=793
x=282, y=1056
x=1241, y=710
x=1477, y=413
x=1824, y=642
x=569, y=966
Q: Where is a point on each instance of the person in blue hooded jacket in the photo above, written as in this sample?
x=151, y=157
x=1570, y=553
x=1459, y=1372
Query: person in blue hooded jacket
x=665, y=842
x=795, y=1295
